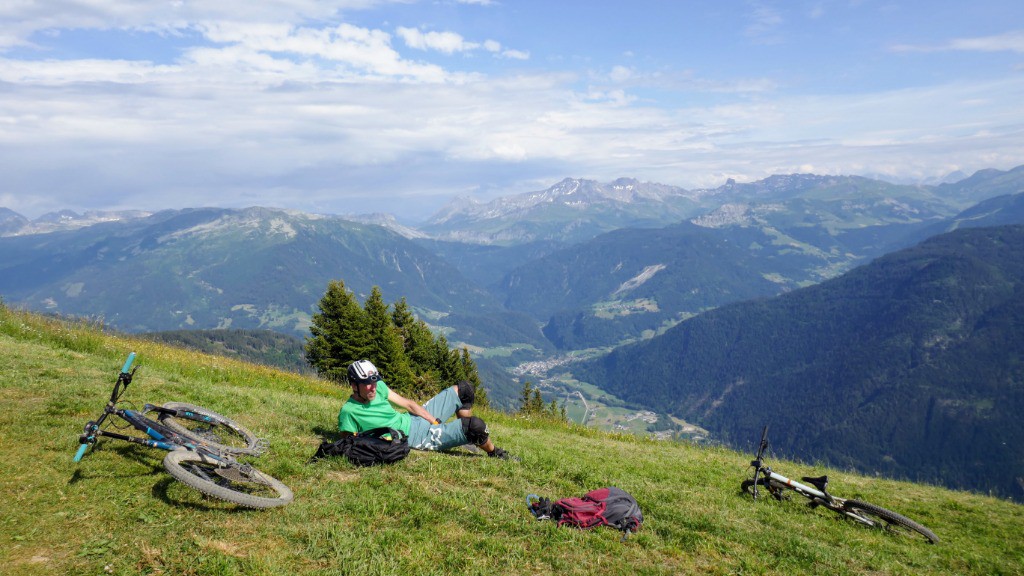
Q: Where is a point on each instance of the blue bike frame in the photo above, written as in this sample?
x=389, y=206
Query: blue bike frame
x=159, y=436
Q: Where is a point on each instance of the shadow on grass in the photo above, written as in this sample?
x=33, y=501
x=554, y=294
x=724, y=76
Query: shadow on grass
x=84, y=471
x=466, y=451
x=330, y=435
x=327, y=434
x=162, y=490
x=152, y=460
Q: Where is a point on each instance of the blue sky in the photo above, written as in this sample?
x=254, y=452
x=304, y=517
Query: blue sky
x=357, y=106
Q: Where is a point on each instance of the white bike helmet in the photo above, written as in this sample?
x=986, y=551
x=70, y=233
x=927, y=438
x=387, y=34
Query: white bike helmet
x=362, y=372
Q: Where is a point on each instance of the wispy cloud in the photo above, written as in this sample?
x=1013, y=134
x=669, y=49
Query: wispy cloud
x=764, y=23
x=1007, y=42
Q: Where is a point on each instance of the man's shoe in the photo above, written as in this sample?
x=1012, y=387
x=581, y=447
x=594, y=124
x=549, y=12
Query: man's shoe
x=499, y=453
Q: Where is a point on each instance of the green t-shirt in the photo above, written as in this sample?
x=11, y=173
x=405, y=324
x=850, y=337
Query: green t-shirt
x=378, y=413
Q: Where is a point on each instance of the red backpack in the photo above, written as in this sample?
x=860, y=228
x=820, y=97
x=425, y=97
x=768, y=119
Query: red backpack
x=602, y=507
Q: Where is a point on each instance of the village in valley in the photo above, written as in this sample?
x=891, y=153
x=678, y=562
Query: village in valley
x=591, y=406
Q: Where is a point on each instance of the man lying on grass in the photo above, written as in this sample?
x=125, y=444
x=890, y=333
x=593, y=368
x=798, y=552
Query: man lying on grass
x=372, y=405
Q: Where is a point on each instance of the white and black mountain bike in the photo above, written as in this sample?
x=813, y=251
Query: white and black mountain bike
x=866, y=513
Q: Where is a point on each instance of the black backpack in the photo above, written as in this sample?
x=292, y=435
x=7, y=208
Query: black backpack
x=377, y=446
x=602, y=507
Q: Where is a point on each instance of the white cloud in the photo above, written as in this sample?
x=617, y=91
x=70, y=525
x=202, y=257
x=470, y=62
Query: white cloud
x=446, y=42
x=516, y=54
x=290, y=103
x=451, y=42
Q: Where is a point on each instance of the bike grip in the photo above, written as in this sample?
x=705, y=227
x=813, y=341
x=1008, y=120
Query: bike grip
x=128, y=363
x=81, y=452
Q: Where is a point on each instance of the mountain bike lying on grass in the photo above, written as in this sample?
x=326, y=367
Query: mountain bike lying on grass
x=862, y=512
x=202, y=447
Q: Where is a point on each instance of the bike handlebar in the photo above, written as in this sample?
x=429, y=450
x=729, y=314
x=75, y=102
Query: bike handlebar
x=122, y=379
x=128, y=363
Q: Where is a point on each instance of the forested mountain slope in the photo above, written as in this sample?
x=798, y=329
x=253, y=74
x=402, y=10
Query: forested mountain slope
x=265, y=347
x=998, y=211
x=911, y=366
x=627, y=281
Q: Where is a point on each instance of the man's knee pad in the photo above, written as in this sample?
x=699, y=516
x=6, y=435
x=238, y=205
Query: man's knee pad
x=475, y=430
x=466, y=394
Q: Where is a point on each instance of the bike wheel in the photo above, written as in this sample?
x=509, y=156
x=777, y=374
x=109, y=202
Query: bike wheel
x=213, y=429
x=234, y=482
x=748, y=485
x=880, y=517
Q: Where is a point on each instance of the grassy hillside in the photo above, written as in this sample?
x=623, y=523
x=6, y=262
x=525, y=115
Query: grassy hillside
x=119, y=512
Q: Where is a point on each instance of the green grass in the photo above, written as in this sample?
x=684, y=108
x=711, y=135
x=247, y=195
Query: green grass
x=119, y=512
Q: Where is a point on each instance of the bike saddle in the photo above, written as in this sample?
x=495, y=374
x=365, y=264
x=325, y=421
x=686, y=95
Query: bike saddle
x=819, y=482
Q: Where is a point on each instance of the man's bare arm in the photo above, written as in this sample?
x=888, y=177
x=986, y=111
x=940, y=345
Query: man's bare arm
x=412, y=407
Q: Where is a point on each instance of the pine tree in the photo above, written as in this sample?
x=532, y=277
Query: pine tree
x=417, y=339
x=402, y=317
x=531, y=403
x=468, y=371
x=524, y=397
x=387, y=350
x=536, y=403
x=340, y=333
x=445, y=362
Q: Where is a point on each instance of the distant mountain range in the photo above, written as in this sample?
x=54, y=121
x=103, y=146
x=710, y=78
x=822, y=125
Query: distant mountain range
x=568, y=212
x=12, y=223
x=574, y=210
x=767, y=238
x=579, y=265
x=217, y=268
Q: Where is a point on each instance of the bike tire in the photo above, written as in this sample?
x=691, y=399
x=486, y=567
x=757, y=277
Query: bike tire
x=240, y=484
x=887, y=518
x=215, y=430
x=748, y=485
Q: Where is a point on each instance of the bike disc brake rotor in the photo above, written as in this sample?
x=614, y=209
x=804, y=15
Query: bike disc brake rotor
x=238, y=474
x=207, y=433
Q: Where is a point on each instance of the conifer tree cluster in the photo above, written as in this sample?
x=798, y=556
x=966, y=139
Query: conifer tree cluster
x=411, y=359
x=532, y=404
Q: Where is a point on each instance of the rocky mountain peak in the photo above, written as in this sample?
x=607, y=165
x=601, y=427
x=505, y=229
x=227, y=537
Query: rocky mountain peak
x=14, y=224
